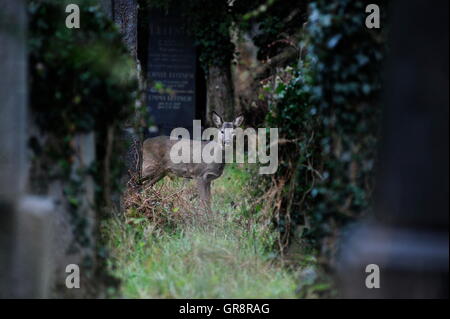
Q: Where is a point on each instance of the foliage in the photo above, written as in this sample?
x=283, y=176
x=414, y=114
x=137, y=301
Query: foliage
x=271, y=23
x=90, y=71
x=329, y=111
x=81, y=80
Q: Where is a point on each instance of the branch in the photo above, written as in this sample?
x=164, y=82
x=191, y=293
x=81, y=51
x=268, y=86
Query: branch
x=280, y=59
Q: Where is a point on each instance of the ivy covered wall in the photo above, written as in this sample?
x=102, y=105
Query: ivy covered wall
x=83, y=85
x=328, y=109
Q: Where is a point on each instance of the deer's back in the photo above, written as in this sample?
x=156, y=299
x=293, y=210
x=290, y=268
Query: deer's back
x=156, y=160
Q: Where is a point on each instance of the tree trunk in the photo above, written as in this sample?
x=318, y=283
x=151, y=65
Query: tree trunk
x=219, y=93
x=125, y=14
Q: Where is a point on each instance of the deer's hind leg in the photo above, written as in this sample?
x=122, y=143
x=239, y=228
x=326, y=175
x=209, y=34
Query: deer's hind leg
x=152, y=174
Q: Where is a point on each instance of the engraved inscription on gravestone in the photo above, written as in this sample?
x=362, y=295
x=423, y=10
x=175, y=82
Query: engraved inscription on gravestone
x=171, y=62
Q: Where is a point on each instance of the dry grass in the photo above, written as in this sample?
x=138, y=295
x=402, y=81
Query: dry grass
x=168, y=204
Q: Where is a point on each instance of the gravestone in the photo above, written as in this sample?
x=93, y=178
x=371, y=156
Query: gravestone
x=13, y=98
x=172, y=63
x=13, y=92
x=24, y=220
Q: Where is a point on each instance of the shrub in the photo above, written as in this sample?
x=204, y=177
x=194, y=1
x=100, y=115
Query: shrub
x=81, y=80
x=329, y=114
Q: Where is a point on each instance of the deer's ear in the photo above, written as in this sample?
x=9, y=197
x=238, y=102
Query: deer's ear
x=217, y=120
x=238, y=121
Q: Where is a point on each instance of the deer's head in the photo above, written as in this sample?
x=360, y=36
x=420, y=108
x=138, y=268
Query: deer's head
x=226, y=129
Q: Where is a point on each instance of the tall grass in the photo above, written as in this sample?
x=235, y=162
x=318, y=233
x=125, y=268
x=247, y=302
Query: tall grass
x=195, y=262
x=166, y=246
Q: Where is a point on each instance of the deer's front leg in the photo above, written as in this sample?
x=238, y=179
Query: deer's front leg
x=204, y=189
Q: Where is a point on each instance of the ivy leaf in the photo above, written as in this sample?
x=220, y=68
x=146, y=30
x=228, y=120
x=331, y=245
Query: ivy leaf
x=334, y=41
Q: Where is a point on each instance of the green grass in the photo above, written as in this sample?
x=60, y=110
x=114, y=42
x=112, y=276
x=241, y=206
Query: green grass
x=224, y=255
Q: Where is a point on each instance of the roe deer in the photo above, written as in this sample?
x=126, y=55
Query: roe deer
x=157, y=162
